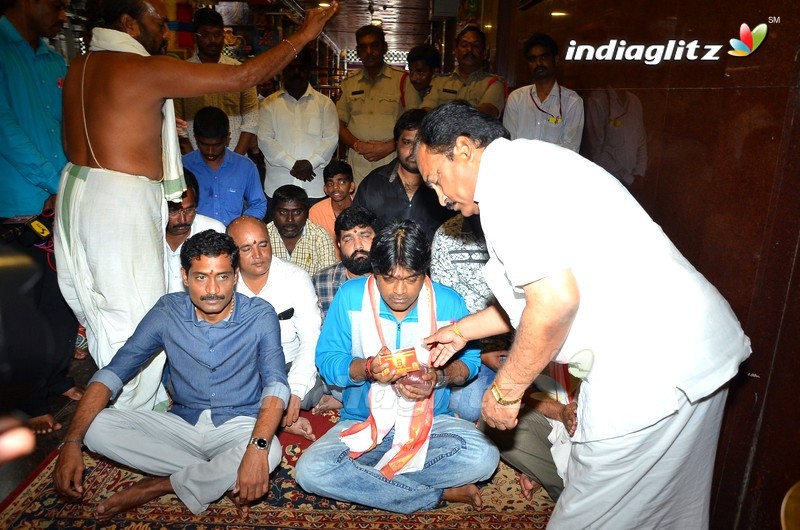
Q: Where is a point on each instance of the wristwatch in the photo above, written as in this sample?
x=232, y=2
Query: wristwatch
x=441, y=379
x=262, y=444
x=498, y=396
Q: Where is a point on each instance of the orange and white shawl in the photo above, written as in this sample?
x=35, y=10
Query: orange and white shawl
x=411, y=419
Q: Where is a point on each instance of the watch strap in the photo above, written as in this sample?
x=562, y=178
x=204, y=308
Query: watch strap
x=498, y=396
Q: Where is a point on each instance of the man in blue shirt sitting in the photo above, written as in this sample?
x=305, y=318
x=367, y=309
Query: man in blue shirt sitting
x=397, y=446
x=227, y=380
x=229, y=182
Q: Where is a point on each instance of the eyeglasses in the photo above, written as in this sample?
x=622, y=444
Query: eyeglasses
x=176, y=212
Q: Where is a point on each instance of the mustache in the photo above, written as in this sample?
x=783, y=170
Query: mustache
x=361, y=252
x=182, y=226
x=211, y=297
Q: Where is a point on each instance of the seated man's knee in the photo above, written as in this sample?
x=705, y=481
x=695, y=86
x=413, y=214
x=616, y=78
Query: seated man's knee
x=489, y=459
x=101, y=428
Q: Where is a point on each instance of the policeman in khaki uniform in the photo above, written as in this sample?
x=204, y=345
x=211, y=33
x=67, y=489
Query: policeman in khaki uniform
x=372, y=100
x=469, y=81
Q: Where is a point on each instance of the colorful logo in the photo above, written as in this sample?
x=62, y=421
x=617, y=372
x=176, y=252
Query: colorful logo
x=748, y=41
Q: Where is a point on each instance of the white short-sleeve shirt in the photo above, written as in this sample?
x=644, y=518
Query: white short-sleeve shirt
x=653, y=323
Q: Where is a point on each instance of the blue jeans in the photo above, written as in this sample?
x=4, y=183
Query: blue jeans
x=458, y=454
x=466, y=400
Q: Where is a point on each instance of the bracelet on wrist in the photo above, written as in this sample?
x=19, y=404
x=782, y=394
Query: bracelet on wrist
x=441, y=380
x=498, y=396
x=65, y=442
x=368, y=375
x=287, y=41
x=456, y=330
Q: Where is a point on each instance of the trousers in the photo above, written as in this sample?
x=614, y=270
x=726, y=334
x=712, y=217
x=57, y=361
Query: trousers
x=201, y=460
x=458, y=454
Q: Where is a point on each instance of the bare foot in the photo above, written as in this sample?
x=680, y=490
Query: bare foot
x=43, y=424
x=328, y=402
x=75, y=393
x=138, y=494
x=469, y=494
x=302, y=427
x=528, y=485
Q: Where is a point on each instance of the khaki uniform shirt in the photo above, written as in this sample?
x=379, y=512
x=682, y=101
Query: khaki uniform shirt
x=369, y=108
x=480, y=87
x=241, y=107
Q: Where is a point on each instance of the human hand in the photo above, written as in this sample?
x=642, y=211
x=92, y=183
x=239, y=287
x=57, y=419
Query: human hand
x=498, y=416
x=68, y=473
x=375, y=150
x=316, y=19
x=292, y=411
x=49, y=204
x=183, y=127
x=252, y=479
x=302, y=427
x=569, y=417
x=418, y=384
x=303, y=170
x=443, y=345
x=382, y=370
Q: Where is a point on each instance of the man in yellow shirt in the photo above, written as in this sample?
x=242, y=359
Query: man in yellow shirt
x=370, y=104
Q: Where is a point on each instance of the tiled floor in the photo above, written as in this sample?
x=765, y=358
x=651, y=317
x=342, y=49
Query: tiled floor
x=14, y=473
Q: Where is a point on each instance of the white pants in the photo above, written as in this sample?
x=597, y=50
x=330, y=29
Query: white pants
x=201, y=461
x=658, y=477
x=109, y=245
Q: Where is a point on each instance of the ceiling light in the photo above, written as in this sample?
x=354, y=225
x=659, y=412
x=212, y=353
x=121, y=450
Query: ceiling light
x=324, y=4
x=558, y=14
x=376, y=22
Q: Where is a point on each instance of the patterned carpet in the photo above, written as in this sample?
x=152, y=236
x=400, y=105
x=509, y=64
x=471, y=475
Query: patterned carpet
x=36, y=505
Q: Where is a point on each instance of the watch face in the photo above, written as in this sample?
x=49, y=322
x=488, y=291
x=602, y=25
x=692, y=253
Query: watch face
x=261, y=443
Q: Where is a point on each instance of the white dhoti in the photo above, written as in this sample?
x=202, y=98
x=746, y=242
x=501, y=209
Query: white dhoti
x=109, y=247
x=658, y=477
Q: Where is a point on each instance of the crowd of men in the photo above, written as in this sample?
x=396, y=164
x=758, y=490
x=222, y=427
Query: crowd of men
x=221, y=309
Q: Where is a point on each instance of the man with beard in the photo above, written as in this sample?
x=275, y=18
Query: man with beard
x=298, y=131
x=293, y=237
x=290, y=291
x=183, y=223
x=355, y=230
x=544, y=110
x=240, y=106
x=229, y=183
x=397, y=446
x=121, y=142
x=372, y=100
x=469, y=81
x=396, y=191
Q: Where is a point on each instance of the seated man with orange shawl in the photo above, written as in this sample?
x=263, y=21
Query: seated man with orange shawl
x=397, y=446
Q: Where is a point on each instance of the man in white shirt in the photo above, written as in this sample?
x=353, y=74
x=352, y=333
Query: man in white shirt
x=183, y=223
x=544, y=110
x=606, y=292
x=298, y=131
x=290, y=291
